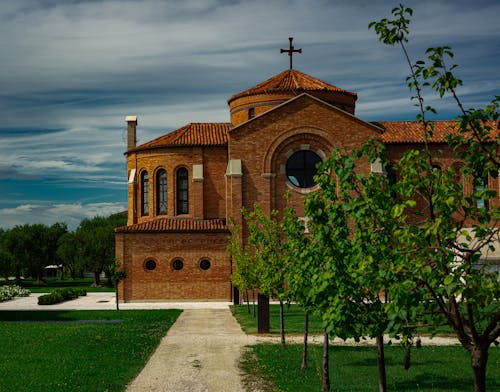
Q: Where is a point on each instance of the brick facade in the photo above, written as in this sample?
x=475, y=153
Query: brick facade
x=231, y=166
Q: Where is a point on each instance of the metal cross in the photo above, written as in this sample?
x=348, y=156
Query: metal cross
x=290, y=51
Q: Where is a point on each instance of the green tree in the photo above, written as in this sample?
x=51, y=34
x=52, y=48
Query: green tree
x=453, y=229
x=69, y=252
x=33, y=247
x=97, y=244
x=244, y=276
x=6, y=260
x=266, y=238
x=260, y=263
x=299, y=273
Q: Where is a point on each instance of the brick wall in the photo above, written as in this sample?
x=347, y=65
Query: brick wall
x=206, y=199
x=165, y=283
x=264, y=145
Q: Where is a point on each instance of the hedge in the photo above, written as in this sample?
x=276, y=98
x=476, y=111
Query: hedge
x=60, y=295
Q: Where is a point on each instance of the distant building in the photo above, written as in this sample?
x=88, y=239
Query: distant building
x=185, y=185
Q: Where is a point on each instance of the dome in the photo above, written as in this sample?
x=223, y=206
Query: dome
x=282, y=87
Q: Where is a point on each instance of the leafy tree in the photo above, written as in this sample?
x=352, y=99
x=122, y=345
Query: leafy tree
x=33, y=247
x=453, y=228
x=244, y=276
x=6, y=260
x=97, y=244
x=266, y=239
x=68, y=250
x=299, y=273
x=260, y=262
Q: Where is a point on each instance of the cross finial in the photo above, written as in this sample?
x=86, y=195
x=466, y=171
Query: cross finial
x=291, y=51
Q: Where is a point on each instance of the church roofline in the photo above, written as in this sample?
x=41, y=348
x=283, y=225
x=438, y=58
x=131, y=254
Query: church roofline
x=290, y=80
x=410, y=132
x=176, y=225
x=190, y=135
x=278, y=107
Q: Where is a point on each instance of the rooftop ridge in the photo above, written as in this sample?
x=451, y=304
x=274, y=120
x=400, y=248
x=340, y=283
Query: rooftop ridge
x=191, y=134
x=290, y=79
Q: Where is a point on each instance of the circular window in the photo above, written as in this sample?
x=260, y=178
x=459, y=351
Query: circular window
x=177, y=264
x=301, y=168
x=150, y=264
x=205, y=264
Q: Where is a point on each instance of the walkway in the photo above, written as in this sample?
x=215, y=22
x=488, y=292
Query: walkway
x=200, y=353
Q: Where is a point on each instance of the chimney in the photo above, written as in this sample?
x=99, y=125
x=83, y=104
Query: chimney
x=131, y=131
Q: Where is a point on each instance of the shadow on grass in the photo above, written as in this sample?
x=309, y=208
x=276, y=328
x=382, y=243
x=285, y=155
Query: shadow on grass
x=57, y=315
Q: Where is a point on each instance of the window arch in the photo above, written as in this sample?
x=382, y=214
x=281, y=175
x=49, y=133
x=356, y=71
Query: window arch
x=481, y=185
x=144, y=193
x=161, y=192
x=301, y=168
x=182, y=193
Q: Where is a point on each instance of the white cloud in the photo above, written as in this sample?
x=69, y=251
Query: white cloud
x=72, y=70
x=71, y=214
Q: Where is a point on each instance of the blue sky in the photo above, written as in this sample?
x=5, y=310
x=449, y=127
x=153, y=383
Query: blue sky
x=70, y=71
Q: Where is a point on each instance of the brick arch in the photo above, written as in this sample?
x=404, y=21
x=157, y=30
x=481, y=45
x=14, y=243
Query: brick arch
x=318, y=135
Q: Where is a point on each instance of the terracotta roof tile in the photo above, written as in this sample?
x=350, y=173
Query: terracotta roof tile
x=175, y=225
x=411, y=131
x=289, y=80
x=193, y=134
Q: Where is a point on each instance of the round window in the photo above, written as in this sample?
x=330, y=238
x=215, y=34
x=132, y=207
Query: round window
x=150, y=264
x=301, y=168
x=177, y=264
x=205, y=264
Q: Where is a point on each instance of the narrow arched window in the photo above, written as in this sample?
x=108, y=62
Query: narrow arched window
x=480, y=186
x=182, y=191
x=144, y=193
x=161, y=192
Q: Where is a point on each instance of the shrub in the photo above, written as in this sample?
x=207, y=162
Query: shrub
x=9, y=292
x=60, y=295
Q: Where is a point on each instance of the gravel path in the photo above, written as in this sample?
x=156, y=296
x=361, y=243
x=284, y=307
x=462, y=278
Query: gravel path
x=199, y=353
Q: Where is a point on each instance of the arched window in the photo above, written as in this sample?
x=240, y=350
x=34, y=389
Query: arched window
x=161, y=192
x=301, y=168
x=480, y=185
x=182, y=191
x=144, y=193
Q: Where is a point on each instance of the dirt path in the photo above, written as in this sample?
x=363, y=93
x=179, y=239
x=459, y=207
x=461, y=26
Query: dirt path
x=199, y=353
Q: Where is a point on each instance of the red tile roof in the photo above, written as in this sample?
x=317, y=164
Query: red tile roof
x=411, y=131
x=193, y=134
x=289, y=80
x=176, y=225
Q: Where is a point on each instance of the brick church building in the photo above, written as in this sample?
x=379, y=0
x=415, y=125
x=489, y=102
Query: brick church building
x=185, y=185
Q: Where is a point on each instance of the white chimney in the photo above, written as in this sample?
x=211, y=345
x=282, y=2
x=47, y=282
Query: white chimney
x=131, y=131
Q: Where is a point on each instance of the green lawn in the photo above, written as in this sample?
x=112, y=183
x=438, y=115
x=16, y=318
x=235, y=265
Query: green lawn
x=294, y=321
x=77, y=350
x=293, y=315
x=444, y=368
x=53, y=283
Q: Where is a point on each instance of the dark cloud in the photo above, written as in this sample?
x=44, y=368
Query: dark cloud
x=72, y=70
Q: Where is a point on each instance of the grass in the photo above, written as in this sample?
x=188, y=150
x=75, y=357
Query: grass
x=77, y=350
x=294, y=321
x=293, y=315
x=56, y=283
x=433, y=368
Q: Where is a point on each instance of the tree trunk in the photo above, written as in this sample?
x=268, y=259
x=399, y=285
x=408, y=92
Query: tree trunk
x=326, y=371
x=248, y=302
x=306, y=332
x=479, y=360
x=382, y=381
x=282, y=324
x=253, y=301
x=116, y=294
x=263, y=314
x=97, y=279
x=18, y=277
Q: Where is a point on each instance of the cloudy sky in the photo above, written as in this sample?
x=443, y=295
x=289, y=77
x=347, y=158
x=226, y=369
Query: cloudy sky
x=70, y=71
